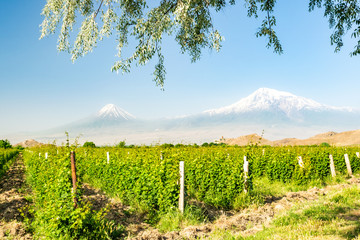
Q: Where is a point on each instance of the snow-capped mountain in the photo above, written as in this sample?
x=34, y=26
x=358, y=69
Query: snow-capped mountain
x=279, y=114
x=269, y=108
x=266, y=99
x=109, y=116
x=111, y=111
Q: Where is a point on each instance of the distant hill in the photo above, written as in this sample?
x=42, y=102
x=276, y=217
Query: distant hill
x=246, y=140
x=347, y=138
x=337, y=139
x=29, y=143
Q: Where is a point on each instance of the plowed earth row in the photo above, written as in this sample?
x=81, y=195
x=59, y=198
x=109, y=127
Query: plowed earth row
x=12, y=199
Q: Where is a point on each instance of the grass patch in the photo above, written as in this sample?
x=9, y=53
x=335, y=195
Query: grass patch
x=335, y=216
x=175, y=220
x=264, y=190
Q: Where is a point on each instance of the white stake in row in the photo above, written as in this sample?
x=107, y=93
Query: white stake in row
x=332, y=166
x=347, y=161
x=182, y=191
x=300, y=161
x=46, y=155
x=246, y=173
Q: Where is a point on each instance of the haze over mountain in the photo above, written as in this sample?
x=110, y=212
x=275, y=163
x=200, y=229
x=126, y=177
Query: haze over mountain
x=279, y=114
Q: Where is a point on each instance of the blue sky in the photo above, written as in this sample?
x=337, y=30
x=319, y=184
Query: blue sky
x=41, y=88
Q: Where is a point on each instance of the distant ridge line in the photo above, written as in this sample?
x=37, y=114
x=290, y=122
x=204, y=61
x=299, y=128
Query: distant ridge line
x=347, y=138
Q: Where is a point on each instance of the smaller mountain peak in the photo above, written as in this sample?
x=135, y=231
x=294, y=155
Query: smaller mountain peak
x=111, y=111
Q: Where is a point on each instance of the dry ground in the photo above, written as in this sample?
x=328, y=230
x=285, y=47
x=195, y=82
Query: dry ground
x=246, y=222
x=12, y=199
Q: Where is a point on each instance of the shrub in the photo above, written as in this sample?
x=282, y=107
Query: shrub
x=89, y=144
x=5, y=144
x=121, y=144
x=205, y=144
x=324, y=144
x=167, y=145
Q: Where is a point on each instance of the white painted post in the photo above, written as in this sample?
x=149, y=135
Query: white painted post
x=46, y=155
x=348, y=166
x=246, y=172
x=263, y=151
x=39, y=154
x=358, y=154
x=57, y=151
x=108, y=157
x=332, y=166
x=181, y=197
x=161, y=156
x=300, y=161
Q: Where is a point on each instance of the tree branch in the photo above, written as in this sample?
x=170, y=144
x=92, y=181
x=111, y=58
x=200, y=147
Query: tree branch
x=98, y=10
x=268, y=16
x=171, y=7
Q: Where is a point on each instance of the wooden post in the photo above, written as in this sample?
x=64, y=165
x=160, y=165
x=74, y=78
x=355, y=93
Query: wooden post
x=358, y=154
x=300, y=161
x=348, y=166
x=73, y=176
x=108, y=157
x=332, y=166
x=181, y=197
x=246, y=172
x=46, y=155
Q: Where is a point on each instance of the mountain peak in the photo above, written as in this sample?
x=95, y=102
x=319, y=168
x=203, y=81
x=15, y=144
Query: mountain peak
x=111, y=111
x=271, y=92
x=265, y=99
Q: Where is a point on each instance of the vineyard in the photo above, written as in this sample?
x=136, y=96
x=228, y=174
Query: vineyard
x=147, y=178
x=7, y=156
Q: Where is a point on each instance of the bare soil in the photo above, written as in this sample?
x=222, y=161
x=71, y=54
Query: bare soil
x=119, y=213
x=12, y=199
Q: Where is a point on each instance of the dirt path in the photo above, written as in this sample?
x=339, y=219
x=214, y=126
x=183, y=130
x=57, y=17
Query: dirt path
x=12, y=198
x=119, y=213
x=247, y=222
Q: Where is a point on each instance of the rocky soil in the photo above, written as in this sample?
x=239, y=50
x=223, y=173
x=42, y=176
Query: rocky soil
x=12, y=199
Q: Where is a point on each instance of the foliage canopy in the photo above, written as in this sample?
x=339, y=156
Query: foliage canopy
x=190, y=21
x=89, y=144
x=5, y=144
